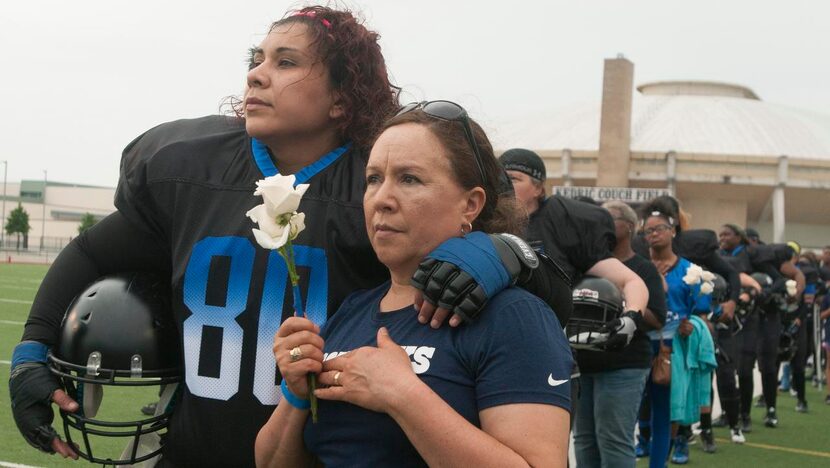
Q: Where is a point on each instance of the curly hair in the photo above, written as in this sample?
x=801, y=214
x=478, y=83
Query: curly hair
x=356, y=67
x=501, y=211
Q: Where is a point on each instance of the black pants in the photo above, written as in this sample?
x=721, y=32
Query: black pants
x=799, y=361
x=769, y=336
x=728, y=359
x=745, y=343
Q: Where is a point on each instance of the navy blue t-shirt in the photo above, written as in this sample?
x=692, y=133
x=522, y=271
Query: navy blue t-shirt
x=515, y=352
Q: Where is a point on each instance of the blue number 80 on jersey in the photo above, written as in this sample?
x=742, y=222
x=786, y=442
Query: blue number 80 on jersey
x=220, y=320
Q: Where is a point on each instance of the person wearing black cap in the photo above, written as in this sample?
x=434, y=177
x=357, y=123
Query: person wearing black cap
x=580, y=238
x=527, y=173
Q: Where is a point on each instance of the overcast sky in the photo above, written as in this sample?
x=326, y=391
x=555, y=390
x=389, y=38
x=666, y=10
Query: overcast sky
x=82, y=78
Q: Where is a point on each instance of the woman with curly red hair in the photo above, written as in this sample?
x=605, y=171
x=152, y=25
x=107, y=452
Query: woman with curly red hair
x=317, y=92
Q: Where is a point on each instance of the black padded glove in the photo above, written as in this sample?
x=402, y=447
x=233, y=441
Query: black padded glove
x=31, y=385
x=447, y=285
x=621, y=330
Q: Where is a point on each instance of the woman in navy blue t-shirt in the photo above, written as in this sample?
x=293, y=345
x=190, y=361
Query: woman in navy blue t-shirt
x=494, y=392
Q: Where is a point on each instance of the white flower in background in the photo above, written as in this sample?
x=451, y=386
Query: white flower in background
x=791, y=288
x=694, y=274
x=707, y=287
x=695, y=270
x=277, y=218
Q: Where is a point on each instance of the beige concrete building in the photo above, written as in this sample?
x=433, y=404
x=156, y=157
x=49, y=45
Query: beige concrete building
x=725, y=153
x=55, y=210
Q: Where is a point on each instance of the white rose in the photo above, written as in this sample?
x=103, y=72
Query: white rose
x=707, y=287
x=691, y=279
x=708, y=276
x=279, y=194
x=274, y=232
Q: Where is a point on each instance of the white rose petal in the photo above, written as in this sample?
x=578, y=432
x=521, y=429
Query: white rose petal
x=285, y=182
x=267, y=223
x=707, y=276
x=694, y=270
x=297, y=225
x=707, y=288
x=279, y=194
x=272, y=243
x=691, y=279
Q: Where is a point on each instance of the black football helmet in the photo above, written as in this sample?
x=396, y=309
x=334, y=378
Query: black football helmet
x=763, y=279
x=596, y=301
x=720, y=291
x=119, y=332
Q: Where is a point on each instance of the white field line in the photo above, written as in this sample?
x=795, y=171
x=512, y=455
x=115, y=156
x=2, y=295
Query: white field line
x=11, y=322
x=11, y=280
x=7, y=363
x=5, y=464
x=15, y=301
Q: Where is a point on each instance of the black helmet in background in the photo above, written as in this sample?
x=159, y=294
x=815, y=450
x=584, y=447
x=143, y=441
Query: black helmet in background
x=596, y=301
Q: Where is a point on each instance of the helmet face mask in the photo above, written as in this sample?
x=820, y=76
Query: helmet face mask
x=596, y=301
x=118, y=336
x=787, y=346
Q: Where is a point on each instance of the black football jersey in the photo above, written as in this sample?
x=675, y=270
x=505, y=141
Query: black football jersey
x=189, y=184
x=738, y=258
x=573, y=233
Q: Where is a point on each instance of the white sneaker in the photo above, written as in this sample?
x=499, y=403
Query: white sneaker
x=738, y=436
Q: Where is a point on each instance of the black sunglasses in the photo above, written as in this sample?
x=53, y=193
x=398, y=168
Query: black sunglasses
x=451, y=112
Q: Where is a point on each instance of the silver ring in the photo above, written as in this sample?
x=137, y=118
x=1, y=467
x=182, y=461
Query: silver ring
x=296, y=354
x=337, y=378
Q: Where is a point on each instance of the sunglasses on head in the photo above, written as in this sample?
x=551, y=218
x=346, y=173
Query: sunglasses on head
x=450, y=112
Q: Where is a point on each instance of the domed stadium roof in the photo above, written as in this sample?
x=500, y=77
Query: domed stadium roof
x=687, y=117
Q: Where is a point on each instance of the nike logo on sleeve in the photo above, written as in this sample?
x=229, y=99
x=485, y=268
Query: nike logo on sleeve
x=553, y=382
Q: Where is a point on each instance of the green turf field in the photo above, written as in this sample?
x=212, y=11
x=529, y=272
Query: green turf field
x=18, y=285
x=800, y=440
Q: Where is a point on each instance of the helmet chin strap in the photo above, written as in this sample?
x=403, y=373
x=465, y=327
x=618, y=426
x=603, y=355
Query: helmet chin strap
x=149, y=443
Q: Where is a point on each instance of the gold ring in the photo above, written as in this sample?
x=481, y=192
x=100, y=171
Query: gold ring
x=296, y=354
x=337, y=378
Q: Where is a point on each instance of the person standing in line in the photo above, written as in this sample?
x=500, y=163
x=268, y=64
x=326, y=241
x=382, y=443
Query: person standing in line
x=612, y=381
x=577, y=236
x=682, y=301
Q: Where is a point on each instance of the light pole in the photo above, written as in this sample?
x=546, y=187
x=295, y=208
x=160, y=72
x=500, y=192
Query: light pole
x=43, y=221
x=3, y=227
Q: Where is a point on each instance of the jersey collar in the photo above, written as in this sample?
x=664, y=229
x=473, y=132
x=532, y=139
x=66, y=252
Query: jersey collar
x=263, y=160
x=734, y=251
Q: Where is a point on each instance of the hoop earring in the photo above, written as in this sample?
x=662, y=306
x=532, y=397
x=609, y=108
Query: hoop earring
x=466, y=228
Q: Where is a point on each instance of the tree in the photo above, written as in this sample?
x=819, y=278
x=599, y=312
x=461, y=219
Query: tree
x=87, y=221
x=18, y=223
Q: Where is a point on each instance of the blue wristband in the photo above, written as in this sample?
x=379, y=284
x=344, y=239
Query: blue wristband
x=29, y=351
x=294, y=400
